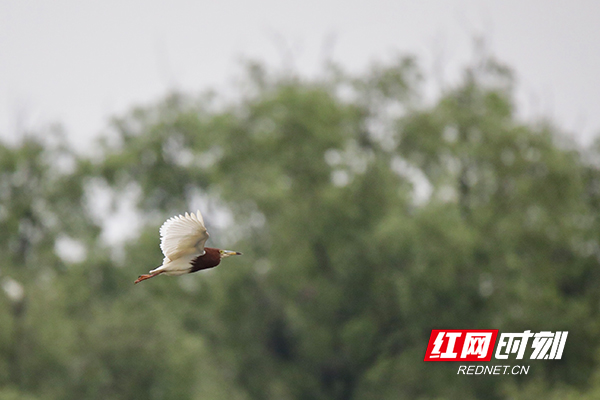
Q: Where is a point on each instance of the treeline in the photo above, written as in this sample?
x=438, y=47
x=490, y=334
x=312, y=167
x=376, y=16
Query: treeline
x=367, y=217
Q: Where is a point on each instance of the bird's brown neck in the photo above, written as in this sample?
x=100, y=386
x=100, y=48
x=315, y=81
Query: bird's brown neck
x=211, y=258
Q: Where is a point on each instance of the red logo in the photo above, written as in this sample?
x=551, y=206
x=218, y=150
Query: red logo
x=461, y=345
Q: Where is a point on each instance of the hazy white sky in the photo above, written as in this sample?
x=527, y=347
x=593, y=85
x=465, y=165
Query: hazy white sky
x=79, y=62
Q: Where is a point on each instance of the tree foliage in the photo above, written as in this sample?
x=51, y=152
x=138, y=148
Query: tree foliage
x=367, y=217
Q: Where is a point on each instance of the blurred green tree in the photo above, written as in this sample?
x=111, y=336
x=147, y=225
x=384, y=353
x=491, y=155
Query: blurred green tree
x=366, y=215
x=367, y=219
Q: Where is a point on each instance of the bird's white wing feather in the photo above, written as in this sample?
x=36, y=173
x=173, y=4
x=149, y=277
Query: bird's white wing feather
x=181, y=235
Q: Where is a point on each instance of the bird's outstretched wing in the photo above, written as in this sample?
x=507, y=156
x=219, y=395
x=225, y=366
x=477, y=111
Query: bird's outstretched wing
x=181, y=235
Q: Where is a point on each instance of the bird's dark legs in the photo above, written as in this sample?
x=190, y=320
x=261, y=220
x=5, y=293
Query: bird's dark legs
x=147, y=276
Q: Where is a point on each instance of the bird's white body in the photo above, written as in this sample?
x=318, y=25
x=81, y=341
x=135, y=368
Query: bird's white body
x=182, y=240
x=179, y=266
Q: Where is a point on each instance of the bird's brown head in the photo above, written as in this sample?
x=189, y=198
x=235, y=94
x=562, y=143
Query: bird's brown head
x=211, y=258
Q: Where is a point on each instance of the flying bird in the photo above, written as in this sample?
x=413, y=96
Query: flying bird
x=182, y=240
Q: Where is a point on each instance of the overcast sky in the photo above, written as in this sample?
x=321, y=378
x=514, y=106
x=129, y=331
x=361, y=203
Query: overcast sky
x=79, y=62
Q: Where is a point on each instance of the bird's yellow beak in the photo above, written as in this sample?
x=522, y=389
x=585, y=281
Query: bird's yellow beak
x=227, y=253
